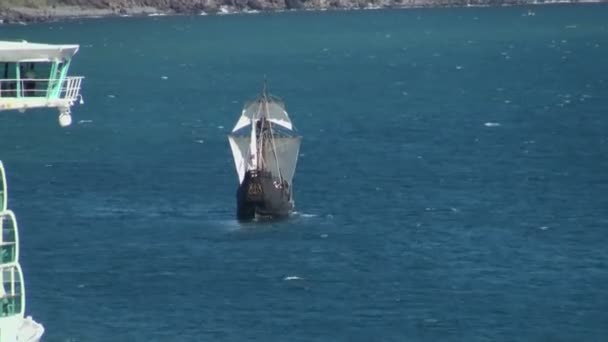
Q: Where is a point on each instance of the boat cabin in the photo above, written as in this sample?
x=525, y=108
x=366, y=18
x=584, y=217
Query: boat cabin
x=35, y=75
x=12, y=299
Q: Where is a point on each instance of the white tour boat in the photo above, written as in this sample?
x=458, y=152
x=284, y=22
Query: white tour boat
x=31, y=76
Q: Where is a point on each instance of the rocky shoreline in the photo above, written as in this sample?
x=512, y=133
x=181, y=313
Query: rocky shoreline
x=75, y=9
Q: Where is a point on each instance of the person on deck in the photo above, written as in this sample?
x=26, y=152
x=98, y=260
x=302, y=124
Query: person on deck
x=29, y=83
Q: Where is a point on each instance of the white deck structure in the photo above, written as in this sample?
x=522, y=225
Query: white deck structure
x=34, y=75
x=31, y=76
x=14, y=326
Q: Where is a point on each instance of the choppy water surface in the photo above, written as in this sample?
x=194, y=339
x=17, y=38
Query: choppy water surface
x=452, y=183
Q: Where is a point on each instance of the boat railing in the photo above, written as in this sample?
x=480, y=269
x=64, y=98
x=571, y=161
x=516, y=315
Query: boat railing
x=66, y=89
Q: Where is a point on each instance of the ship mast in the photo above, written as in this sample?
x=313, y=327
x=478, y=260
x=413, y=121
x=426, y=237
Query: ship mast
x=270, y=133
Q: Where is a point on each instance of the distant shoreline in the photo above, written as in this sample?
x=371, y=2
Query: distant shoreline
x=25, y=15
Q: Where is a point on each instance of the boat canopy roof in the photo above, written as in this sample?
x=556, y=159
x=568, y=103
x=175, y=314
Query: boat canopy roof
x=35, y=52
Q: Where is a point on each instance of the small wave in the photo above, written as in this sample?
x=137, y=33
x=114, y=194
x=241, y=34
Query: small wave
x=305, y=215
x=292, y=278
x=530, y=13
x=491, y=124
x=84, y=121
x=229, y=225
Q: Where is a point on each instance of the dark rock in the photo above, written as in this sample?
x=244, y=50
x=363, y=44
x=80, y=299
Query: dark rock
x=294, y=4
x=256, y=5
x=239, y=4
x=10, y=14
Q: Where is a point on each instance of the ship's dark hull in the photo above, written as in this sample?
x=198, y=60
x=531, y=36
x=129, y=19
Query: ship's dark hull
x=260, y=196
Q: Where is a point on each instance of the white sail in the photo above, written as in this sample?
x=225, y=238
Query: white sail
x=253, y=110
x=253, y=149
x=240, y=152
x=286, y=150
x=279, y=150
x=243, y=122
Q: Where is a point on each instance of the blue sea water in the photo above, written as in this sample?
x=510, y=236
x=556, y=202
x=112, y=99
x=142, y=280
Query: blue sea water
x=452, y=184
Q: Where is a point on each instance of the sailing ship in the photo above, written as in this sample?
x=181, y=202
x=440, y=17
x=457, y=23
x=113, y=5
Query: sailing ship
x=265, y=147
x=31, y=76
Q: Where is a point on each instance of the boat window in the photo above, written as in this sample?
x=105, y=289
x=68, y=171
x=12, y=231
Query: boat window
x=7, y=252
x=8, y=70
x=8, y=82
x=41, y=70
x=35, y=78
x=10, y=292
x=8, y=246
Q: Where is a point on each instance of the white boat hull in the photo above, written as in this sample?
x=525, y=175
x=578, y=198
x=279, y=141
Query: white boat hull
x=30, y=330
x=19, y=329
